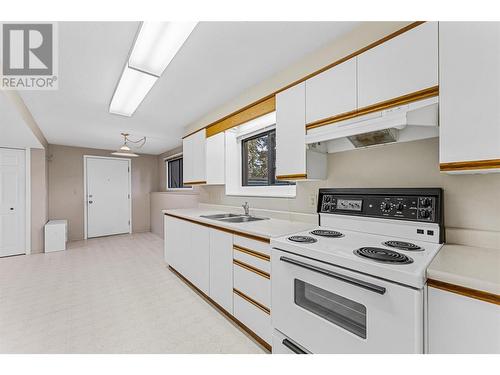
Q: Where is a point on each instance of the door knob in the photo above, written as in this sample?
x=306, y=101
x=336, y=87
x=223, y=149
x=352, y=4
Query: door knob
x=91, y=202
x=12, y=208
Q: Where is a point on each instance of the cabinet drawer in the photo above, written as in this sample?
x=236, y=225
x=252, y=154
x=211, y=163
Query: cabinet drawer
x=253, y=317
x=252, y=258
x=253, y=283
x=247, y=243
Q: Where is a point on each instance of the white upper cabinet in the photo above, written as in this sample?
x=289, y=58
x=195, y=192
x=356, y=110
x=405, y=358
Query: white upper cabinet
x=291, y=131
x=194, y=158
x=469, y=96
x=400, y=66
x=332, y=92
x=215, y=159
x=291, y=149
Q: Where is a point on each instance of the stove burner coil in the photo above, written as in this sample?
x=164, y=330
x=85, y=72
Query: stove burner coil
x=327, y=233
x=402, y=245
x=383, y=255
x=302, y=239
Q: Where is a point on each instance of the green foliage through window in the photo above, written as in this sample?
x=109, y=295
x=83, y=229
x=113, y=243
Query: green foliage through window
x=259, y=160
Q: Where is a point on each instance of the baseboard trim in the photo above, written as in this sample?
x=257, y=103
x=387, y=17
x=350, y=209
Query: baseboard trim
x=218, y=307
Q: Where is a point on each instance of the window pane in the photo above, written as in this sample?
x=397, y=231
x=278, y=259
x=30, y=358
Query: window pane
x=257, y=151
x=175, y=174
x=259, y=160
x=343, y=312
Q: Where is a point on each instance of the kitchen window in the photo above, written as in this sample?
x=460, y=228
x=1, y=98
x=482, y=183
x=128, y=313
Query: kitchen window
x=174, y=173
x=259, y=160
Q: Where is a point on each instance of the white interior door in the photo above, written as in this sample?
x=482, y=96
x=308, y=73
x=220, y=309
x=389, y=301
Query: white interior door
x=12, y=202
x=108, y=196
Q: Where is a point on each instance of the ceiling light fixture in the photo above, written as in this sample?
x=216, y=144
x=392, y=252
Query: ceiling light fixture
x=125, y=150
x=156, y=45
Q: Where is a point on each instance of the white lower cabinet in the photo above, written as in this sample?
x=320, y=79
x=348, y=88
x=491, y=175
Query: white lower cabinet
x=176, y=243
x=253, y=317
x=187, y=250
x=460, y=324
x=198, y=257
x=252, y=284
x=221, y=268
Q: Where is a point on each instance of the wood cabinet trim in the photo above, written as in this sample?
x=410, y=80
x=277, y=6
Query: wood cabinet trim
x=261, y=108
x=400, y=100
x=227, y=314
x=252, y=253
x=298, y=176
x=195, y=183
x=470, y=165
x=251, y=269
x=252, y=301
x=315, y=73
x=464, y=291
x=232, y=231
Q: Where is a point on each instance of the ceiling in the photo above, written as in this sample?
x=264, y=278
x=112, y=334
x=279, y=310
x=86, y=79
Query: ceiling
x=218, y=61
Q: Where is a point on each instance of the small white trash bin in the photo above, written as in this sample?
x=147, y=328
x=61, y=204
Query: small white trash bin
x=56, y=235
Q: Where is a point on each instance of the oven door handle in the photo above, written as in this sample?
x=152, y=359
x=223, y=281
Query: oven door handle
x=350, y=280
x=294, y=348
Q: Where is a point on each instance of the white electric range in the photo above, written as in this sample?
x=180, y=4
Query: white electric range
x=356, y=284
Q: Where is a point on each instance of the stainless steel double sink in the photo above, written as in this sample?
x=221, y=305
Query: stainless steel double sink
x=233, y=218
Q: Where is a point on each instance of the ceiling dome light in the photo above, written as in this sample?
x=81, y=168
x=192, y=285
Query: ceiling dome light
x=125, y=153
x=125, y=150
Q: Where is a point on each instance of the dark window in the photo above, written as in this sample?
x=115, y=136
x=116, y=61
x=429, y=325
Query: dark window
x=174, y=170
x=259, y=160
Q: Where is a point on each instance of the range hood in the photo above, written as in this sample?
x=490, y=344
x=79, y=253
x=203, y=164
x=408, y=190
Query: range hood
x=417, y=120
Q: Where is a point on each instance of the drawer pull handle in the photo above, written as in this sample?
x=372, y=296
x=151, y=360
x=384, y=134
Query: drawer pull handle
x=252, y=301
x=347, y=279
x=294, y=348
x=252, y=253
x=251, y=269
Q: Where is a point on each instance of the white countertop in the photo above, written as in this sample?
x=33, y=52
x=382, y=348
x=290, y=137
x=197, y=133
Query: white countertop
x=263, y=228
x=470, y=267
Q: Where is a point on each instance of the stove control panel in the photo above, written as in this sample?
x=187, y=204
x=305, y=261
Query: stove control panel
x=406, y=204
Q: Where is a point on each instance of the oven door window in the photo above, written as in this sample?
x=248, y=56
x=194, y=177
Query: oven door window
x=338, y=310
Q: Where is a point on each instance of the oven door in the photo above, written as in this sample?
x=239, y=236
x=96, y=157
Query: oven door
x=329, y=309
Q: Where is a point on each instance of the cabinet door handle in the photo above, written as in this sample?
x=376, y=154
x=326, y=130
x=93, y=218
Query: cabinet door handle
x=294, y=348
x=347, y=279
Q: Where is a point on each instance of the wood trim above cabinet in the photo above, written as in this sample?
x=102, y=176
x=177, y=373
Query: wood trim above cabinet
x=298, y=176
x=470, y=165
x=467, y=292
x=400, y=100
x=252, y=301
x=238, y=115
x=261, y=108
x=232, y=231
x=195, y=183
x=252, y=253
x=251, y=269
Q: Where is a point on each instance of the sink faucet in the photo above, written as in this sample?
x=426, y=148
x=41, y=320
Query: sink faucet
x=246, y=207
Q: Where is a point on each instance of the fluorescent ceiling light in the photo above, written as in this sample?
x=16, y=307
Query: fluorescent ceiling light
x=155, y=46
x=157, y=43
x=131, y=91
